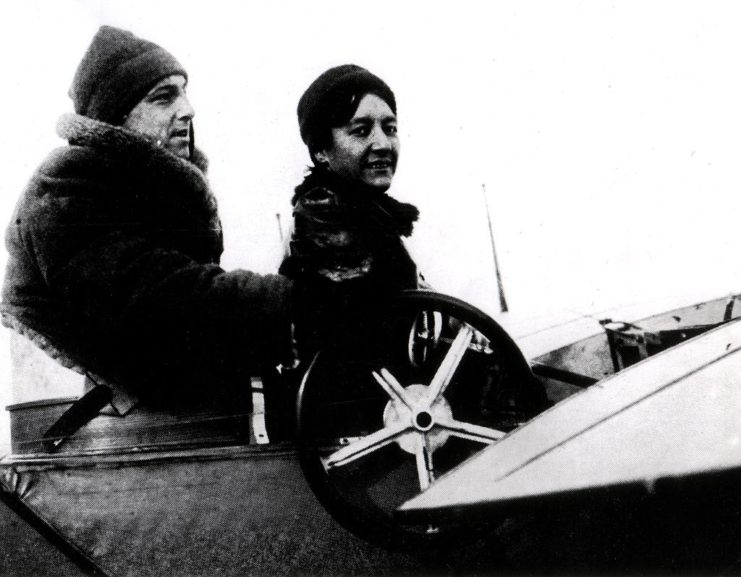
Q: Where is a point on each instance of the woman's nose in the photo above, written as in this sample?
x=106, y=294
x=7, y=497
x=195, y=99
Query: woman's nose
x=380, y=140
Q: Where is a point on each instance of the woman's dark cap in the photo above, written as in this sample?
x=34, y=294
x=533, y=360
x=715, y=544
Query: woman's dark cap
x=325, y=101
x=116, y=72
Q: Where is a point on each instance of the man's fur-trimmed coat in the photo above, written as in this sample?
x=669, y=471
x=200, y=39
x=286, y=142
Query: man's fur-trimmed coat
x=113, y=265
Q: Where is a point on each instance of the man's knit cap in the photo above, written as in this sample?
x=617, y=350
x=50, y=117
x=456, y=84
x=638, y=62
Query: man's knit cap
x=333, y=90
x=116, y=72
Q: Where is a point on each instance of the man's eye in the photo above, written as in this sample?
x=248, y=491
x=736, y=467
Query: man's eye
x=162, y=97
x=391, y=129
x=360, y=131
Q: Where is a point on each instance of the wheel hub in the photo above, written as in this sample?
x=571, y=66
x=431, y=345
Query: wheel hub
x=422, y=418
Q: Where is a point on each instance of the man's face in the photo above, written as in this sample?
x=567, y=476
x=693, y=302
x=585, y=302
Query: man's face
x=165, y=116
x=366, y=149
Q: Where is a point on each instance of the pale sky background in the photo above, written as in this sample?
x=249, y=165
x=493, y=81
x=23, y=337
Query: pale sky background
x=607, y=135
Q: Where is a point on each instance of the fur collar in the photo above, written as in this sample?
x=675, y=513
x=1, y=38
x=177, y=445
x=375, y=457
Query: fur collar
x=84, y=131
x=378, y=205
x=140, y=151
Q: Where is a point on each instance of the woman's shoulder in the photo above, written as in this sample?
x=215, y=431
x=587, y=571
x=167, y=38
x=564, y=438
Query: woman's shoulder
x=318, y=189
x=316, y=196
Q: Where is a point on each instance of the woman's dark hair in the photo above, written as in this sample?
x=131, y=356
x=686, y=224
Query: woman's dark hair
x=332, y=99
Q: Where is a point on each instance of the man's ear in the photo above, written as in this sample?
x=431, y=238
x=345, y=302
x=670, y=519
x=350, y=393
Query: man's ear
x=321, y=156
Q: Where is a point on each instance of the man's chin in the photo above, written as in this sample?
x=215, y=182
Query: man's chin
x=180, y=149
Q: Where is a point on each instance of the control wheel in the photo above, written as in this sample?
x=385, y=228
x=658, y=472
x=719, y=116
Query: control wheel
x=407, y=391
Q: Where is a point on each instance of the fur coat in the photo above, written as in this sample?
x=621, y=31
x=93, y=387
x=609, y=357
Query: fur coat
x=348, y=236
x=113, y=266
x=346, y=244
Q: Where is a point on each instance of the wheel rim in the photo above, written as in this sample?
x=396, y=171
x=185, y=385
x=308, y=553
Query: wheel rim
x=378, y=421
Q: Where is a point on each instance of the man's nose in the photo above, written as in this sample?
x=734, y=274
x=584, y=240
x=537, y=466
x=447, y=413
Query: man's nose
x=185, y=110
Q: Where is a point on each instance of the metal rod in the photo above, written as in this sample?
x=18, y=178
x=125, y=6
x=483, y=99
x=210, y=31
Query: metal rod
x=500, y=286
x=286, y=247
x=280, y=227
x=72, y=551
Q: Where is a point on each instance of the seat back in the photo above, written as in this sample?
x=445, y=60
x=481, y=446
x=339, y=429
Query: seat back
x=36, y=376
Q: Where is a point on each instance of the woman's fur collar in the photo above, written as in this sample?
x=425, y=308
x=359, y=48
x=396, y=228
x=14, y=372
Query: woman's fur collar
x=402, y=214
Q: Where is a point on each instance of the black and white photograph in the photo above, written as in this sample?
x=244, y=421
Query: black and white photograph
x=349, y=289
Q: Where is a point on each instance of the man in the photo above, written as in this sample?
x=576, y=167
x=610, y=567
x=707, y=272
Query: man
x=115, y=243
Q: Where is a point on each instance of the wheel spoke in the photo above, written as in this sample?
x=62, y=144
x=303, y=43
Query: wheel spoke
x=393, y=388
x=450, y=363
x=470, y=431
x=365, y=445
x=425, y=470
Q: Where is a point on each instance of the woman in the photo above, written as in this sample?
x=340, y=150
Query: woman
x=347, y=230
x=115, y=243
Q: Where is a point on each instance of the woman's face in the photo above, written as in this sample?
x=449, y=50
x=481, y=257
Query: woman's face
x=366, y=149
x=165, y=116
